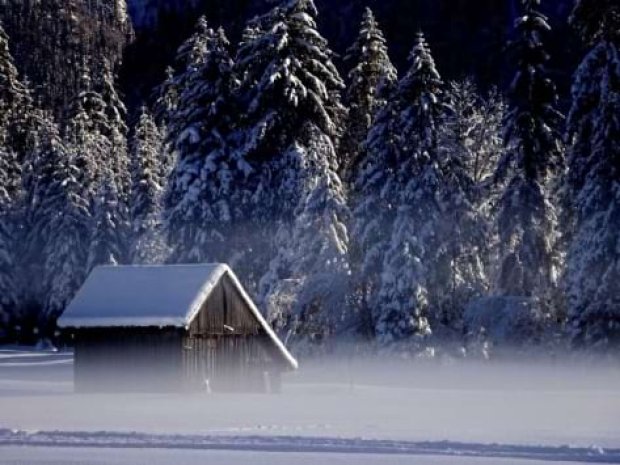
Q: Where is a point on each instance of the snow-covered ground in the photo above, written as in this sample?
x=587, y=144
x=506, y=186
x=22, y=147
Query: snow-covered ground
x=329, y=413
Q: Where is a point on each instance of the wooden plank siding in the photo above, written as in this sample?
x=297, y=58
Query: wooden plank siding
x=225, y=348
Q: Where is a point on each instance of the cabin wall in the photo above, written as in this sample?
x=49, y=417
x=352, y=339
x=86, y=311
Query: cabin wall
x=128, y=359
x=226, y=348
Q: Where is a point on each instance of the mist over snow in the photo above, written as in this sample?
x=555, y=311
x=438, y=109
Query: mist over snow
x=347, y=407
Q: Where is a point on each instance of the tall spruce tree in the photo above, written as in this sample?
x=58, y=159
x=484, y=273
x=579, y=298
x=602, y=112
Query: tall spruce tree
x=14, y=98
x=470, y=144
x=291, y=89
x=108, y=240
x=403, y=296
x=394, y=218
x=87, y=132
x=203, y=197
x=116, y=114
x=372, y=74
x=65, y=228
x=147, y=242
x=38, y=174
x=593, y=274
x=173, y=110
x=306, y=286
x=527, y=218
x=289, y=80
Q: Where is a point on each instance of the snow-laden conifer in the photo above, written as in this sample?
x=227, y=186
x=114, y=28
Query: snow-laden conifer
x=395, y=220
x=593, y=273
x=204, y=195
x=371, y=74
x=147, y=242
x=527, y=217
x=469, y=145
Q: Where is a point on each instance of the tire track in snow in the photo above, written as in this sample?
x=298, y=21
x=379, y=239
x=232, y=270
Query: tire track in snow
x=297, y=444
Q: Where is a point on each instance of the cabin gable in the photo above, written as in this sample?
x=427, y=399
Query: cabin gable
x=226, y=347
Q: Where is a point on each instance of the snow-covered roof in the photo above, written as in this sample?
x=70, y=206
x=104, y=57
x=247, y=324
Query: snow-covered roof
x=152, y=296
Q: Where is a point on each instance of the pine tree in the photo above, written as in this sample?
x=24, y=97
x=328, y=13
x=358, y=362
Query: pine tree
x=593, y=274
x=307, y=282
x=14, y=99
x=108, y=239
x=88, y=132
x=396, y=187
x=166, y=101
x=372, y=74
x=469, y=146
x=148, y=245
x=172, y=110
x=289, y=88
x=296, y=212
x=289, y=80
x=116, y=114
x=534, y=154
x=66, y=230
x=202, y=199
x=404, y=292
x=39, y=173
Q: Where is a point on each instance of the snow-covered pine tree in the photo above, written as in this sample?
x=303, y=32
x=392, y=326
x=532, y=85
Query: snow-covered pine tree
x=289, y=80
x=14, y=98
x=593, y=275
x=166, y=98
x=307, y=284
x=108, y=240
x=87, y=132
x=204, y=195
x=290, y=87
x=116, y=114
x=402, y=300
x=38, y=174
x=96, y=139
x=371, y=72
x=291, y=90
x=147, y=241
x=526, y=217
x=397, y=141
x=172, y=110
x=472, y=126
x=470, y=144
x=64, y=226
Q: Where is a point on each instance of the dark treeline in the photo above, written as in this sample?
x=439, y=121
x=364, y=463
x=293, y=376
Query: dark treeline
x=386, y=205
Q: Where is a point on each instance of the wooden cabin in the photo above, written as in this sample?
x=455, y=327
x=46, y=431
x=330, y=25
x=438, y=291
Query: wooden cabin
x=171, y=328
